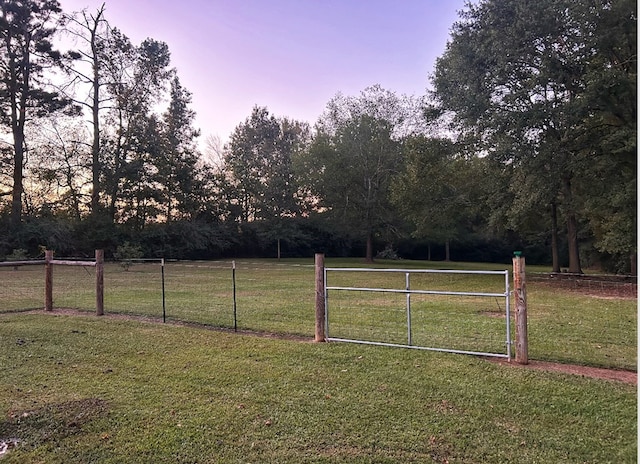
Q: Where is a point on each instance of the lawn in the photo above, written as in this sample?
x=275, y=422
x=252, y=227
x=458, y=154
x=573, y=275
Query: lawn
x=89, y=389
x=79, y=389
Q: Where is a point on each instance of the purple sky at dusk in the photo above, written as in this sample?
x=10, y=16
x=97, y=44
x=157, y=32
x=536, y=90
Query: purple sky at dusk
x=291, y=56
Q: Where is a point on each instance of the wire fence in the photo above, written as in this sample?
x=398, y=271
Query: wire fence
x=279, y=297
x=21, y=288
x=261, y=296
x=611, y=285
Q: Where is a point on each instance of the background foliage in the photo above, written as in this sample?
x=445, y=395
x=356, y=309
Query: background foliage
x=526, y=141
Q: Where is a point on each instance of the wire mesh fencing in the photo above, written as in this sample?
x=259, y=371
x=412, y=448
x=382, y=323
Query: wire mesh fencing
x=21, y=287
x=267, y=295
x=275, y=297
x=200, y=292
x=257, y=295
x=260, y=296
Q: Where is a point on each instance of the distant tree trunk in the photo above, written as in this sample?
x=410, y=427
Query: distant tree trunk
x=574, y=252
x=112, y=206
x=18, y=160
x=572, y=230
x=94, y=30
x=369, y=256
x=555, y=255
x=95, y=148
x=428, y=252
x=634, y=264
x=115, y=176
x=447, y=250
x=95, y=113
x=74, y=193
x=18, y=91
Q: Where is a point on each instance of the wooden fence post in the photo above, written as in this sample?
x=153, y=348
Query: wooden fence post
x=48, y=280
x=520, y=292
x=320, y=307
x=99, y=282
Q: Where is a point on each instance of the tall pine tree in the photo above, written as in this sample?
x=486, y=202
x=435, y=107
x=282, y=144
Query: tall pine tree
x=26, y=31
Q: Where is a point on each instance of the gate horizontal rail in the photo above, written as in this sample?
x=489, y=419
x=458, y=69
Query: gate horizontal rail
x=408, y=292
x=416, y=292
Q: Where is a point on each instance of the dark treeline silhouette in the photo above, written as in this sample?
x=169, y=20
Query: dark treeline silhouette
x=526, y=142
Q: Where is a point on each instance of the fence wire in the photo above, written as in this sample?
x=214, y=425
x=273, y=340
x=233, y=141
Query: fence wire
x=21, y=288
x=268, y=296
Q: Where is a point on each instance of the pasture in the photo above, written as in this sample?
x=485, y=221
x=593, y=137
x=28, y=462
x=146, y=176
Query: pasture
x=91, y=389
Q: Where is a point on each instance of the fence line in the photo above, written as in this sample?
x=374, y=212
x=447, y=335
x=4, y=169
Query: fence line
x=623, y=285
x=245, y=298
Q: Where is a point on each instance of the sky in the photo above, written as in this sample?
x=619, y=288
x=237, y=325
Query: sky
x=291, y=56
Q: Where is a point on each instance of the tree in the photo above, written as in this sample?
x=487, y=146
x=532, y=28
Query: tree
x=61, y=166
x=138, y=200
x=94, y=32
x=262, y=184
x=517, y=78
x=610, y=132
x=437, y=190
x=137, y=77
x=356, y=165
x=405, y=114
x=260, y=158
x=217, y=180
x=26, y=30
x=354, y=154
x=176, y=163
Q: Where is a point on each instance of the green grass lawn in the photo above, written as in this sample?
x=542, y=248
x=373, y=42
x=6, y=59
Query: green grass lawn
x=88, y=389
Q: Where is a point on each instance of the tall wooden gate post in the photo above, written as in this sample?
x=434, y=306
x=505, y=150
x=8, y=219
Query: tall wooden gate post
x=99, y=282
x=48, y=280
x=520, y=292
x=320, y=303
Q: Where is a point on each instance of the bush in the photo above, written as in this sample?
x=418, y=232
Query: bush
x=127, y=252
x=19, y=254
x=388, y=253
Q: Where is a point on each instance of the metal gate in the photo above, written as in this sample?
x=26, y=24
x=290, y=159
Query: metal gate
x=408, y=292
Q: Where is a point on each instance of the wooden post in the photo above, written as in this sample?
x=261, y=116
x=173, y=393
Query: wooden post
x=99, y=282
x=520, y=292
x=48, y=280
x=320, y=308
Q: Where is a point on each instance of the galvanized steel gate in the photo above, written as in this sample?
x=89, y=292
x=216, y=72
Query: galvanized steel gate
x=408, y=292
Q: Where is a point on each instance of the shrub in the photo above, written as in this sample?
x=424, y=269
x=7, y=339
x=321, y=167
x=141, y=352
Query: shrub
x=19, y=254
x=126, y=253
x=388, y=253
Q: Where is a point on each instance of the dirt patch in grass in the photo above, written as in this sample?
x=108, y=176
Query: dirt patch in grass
x=619, y=375
x=51, y=423
x=495, y=314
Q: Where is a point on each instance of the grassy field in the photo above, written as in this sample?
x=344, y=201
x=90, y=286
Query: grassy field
x=87, y=389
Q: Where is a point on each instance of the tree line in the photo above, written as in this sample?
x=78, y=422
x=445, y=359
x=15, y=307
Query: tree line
x=526, y=140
